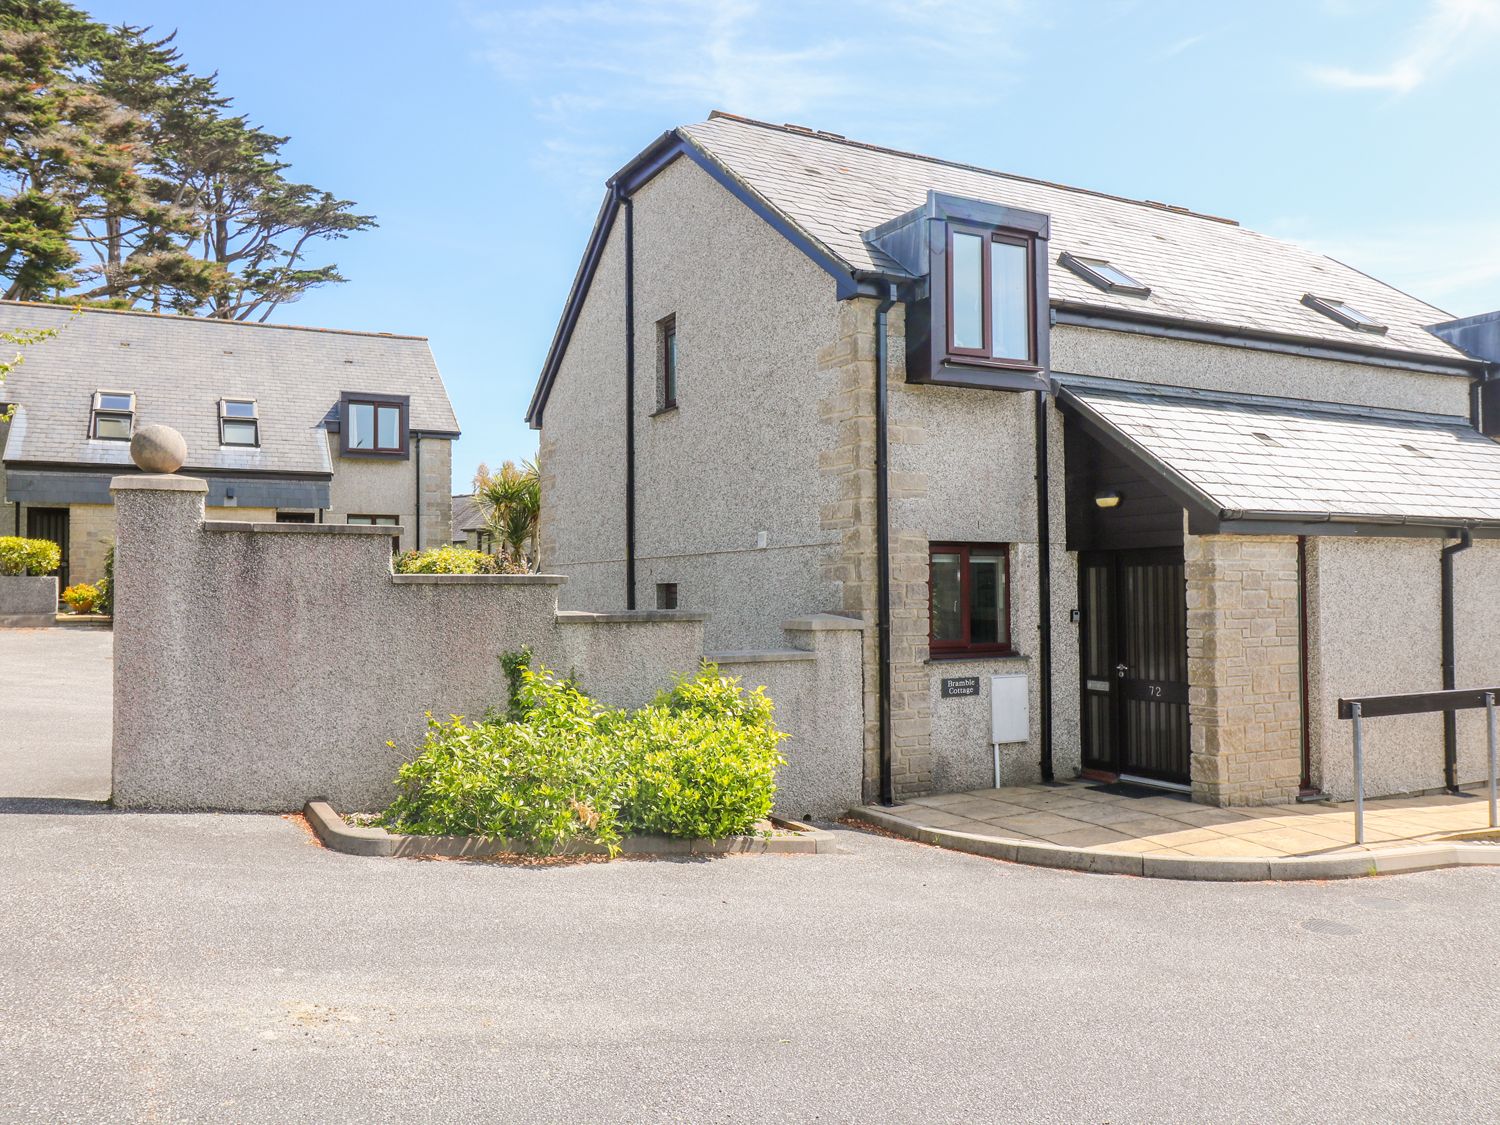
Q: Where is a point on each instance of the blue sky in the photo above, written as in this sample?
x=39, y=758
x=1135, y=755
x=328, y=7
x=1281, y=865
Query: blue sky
x=481, y=133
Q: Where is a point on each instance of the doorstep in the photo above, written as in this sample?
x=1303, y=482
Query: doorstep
x=1081, y=826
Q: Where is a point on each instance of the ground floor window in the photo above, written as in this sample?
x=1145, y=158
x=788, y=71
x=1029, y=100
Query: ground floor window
x=969, y=596
x=294, y=517
x=666, y=595
x=375, y=521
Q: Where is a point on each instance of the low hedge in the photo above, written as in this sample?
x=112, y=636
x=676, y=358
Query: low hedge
x=28, y=556
x=453, y=560
x=558, y=768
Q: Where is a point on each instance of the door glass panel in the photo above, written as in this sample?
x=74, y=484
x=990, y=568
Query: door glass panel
x=947, y=599
x=967, y=297
x=986, y=599
x=1011, y=301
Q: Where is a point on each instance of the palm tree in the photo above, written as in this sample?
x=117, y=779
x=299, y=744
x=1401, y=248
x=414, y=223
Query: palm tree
x=512, y=503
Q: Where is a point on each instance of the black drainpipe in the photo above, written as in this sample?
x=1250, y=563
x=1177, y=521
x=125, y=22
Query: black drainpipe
x=416, y=441
x=629, y=397
x=1450, y=660
x=883, y=547
x=1044, y=587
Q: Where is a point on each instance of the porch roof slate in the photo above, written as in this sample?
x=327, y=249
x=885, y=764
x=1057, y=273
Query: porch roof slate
x=1253, y=457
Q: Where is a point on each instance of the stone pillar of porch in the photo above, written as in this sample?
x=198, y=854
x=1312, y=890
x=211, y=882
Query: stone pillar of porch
x=1244, y=672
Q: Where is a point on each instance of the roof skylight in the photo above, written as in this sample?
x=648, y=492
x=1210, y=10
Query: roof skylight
x=1343, y=312
x=1110, y=278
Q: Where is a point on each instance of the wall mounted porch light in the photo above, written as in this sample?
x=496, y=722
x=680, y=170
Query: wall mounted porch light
x=1110, y=499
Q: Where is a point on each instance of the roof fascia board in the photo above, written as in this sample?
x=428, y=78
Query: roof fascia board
x=1077, y=315
x=127, y=469
x=626, y=182
x=1269, y=523
x=1190, y=496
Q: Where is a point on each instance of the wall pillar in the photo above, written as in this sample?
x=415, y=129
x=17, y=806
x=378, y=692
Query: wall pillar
x=1244, y=670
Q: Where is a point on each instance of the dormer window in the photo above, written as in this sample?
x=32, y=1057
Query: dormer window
x=990, y=295
x=1344, y=313
x=373, y=425
x=113, y=416
x=239, y=422
x=1107, y=276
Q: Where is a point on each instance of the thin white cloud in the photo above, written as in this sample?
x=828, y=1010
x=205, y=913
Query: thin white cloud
x=1450, y=32
x=1172, y=50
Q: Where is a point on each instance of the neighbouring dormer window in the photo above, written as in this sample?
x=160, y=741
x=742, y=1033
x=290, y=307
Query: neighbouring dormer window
x=1345, y=313
x=239, y=422
x=113, y=415
x=373, y=425
x=990, y=295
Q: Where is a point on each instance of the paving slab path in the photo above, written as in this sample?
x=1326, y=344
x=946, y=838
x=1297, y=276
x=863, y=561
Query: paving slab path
x=56, y=698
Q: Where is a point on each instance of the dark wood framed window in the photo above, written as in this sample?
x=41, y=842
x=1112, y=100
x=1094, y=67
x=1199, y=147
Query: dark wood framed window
x=295, y=517
x=374, y=521
x=666, y=595
x=991, y=297
x=374, y=425
x=666, y=363
x=969, y=599
x=113, y=415
x=239, y=422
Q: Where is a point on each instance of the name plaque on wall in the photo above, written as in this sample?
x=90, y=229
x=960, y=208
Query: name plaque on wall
x=956, y=687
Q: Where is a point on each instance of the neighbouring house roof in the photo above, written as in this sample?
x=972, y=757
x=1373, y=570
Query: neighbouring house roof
x=468, y=515
x=180, y=367
x=1247, y=457
x=825, y=193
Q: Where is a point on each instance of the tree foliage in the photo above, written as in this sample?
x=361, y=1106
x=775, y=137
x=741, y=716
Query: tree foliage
x=126, y=179
x=512, y=503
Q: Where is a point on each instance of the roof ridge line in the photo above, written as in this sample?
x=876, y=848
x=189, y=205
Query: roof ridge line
x=181, y=319
x=839, y=138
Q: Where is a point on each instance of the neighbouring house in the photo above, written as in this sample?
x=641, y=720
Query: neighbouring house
x=300, y=425
x=1121, y=490
x=470, y=529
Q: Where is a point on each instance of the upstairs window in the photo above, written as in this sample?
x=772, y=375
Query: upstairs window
x=1344, y=313
x=374, y=425
x=666, y=334
x=113, y=416
x=991, y=306
x=1107, y=276
x=969, y=599
x=239, y=422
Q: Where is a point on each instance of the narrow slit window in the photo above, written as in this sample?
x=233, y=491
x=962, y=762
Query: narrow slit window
x=239, y=422
x=113, y=415
x=666, y=330
x=1346, y=314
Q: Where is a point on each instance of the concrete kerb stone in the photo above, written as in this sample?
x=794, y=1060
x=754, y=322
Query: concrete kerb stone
x=342, y=837
x=1376, y=861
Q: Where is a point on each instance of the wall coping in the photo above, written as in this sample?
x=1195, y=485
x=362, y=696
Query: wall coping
x=627, y=617
x=158, y=482
x=265, y=527
x=819, y=622
x=478, y=579
x=760, y=656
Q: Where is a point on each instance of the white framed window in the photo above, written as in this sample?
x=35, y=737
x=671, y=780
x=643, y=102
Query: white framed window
x=239, y=422
x=113, y=415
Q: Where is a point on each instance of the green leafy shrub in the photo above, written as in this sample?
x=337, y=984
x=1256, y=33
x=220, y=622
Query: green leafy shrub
x=81, y=597
x=28, y=556
x=453, y=560
x=560, y=769
x=106, y=602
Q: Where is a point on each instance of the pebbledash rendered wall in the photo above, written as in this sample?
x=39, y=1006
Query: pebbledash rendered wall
x=260, y=664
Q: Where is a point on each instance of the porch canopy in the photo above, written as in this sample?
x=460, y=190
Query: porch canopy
x=1262, y=465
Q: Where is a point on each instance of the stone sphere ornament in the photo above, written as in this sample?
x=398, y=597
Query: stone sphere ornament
x=158, y=449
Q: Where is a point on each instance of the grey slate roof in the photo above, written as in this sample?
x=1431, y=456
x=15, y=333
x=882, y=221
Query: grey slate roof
x=1199, y=269
x=468, y=515
x=1257, y=457
x=179, y=368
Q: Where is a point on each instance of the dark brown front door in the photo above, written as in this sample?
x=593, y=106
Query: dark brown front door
x=1133, y=637
x=51, y=523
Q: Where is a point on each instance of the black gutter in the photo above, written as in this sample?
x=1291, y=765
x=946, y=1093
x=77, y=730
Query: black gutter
x=625, y=202
x=883, y=546
x=1450, y=660
x=1044, y=587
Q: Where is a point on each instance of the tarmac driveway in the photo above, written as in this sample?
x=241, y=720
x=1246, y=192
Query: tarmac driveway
x=56, y=690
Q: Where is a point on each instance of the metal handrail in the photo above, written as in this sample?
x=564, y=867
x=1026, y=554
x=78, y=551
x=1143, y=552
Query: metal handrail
x=1417, y=703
